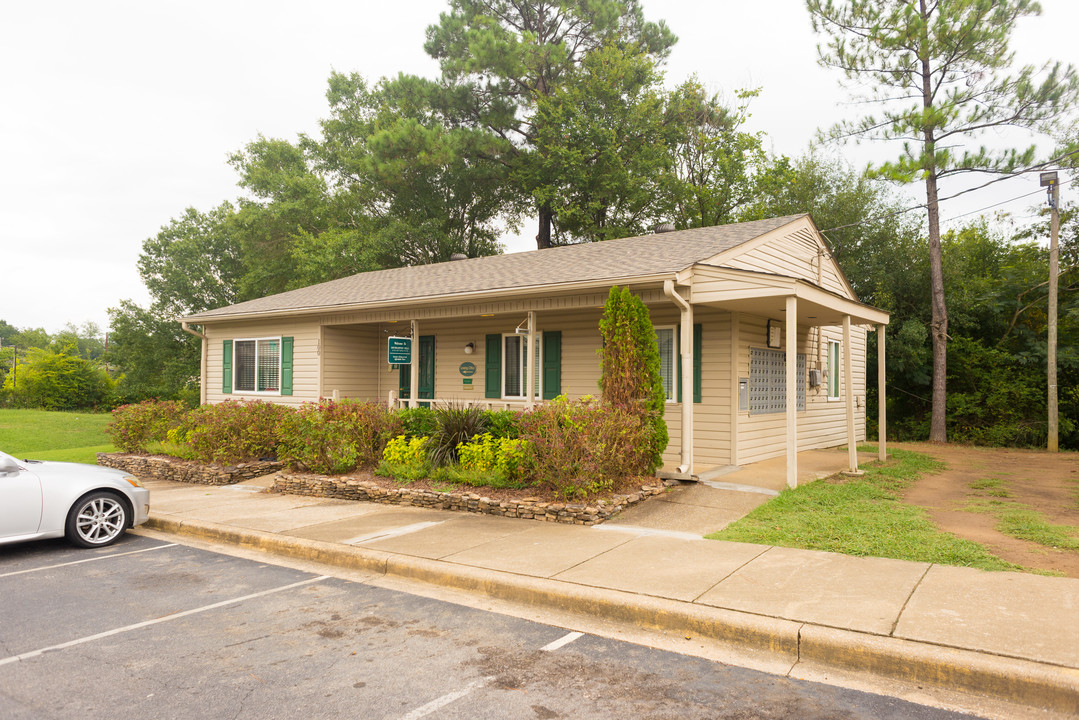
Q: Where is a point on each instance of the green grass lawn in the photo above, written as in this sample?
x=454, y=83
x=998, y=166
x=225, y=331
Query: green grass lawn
x=861, y=516
x=46, y=435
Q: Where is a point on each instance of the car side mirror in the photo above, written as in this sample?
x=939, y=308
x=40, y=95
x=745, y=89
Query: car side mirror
x=9, y=466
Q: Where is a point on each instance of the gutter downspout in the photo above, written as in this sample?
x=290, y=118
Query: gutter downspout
x=686, y=342
x=205, y=352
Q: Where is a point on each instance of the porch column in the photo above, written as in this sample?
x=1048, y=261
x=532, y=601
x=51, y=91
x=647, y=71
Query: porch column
x=848, y=388
x=205, y=371
x=792, y=391
x=530, y=361
x=414, y=368
x=882, y=453
x=736, y=320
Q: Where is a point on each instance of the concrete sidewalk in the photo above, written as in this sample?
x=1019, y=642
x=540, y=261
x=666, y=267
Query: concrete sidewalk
x=1008, y=636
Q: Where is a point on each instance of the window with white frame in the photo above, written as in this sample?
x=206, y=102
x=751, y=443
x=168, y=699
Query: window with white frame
x=515, y=366
x=668, y=360
x=833, y=370
x=256, y=365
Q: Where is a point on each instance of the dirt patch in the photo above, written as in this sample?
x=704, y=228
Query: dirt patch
x=1045, y=482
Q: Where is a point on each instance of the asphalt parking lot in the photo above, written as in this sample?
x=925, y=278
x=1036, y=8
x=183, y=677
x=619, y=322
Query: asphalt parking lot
x=152, y=629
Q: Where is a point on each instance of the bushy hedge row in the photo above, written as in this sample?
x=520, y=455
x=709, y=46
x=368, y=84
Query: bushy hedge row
x=576, y=447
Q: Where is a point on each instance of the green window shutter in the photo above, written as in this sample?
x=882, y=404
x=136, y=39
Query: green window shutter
x=286, y=366
x=226, y=368
x=678, y=360
x=552, y=364
x=698, y=334
x=493, y=367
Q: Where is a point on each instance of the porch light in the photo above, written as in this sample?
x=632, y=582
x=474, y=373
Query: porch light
x=470, y=348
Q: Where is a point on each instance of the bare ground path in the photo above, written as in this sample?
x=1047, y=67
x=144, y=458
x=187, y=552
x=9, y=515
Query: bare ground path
x=1045, y=482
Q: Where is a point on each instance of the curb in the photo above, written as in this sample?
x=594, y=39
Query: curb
x=1029, y=683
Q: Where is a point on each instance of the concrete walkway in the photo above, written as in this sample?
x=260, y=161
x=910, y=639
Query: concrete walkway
x=1008, y=636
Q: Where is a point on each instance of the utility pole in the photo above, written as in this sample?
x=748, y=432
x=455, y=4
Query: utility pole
x=1049, y=181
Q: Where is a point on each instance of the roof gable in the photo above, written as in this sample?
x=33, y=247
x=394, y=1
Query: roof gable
x=794, y=250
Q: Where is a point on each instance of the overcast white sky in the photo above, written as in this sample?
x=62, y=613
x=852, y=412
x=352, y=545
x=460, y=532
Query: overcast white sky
x=117, y=115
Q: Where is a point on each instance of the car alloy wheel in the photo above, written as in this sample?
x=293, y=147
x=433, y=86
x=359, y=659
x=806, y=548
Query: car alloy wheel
x=97, y=520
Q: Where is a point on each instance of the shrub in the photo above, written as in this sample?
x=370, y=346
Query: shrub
x=456, y=424
x=231, y=431
x=333, y=437
x=584, y=446
x=405, y=458
x=503, y=423
x=508, y=458
x=630, y=376
x=476, y=478
x=134, y=427
x=58, y=381
x=417, y=422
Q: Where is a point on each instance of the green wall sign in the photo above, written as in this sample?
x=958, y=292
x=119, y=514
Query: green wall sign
x=467, y=369
x=399, y=351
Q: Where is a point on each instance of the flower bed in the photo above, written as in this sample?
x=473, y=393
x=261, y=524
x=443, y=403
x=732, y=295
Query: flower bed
x=161, y=467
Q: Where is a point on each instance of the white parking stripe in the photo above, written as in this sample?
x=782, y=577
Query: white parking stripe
x=93, y=559
x=445, y=700
x=147, y=623
x=562, y=641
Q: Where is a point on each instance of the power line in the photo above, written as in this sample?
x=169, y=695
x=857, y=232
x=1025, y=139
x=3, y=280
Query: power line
x=1003, y=202
x=964, y=192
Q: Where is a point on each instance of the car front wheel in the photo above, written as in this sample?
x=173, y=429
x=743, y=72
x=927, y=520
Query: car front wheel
x=97, y=520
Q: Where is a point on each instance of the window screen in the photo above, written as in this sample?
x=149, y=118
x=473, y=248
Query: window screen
x=269, y=365
x=244, y=365
x=833, y=370
x=665, y=340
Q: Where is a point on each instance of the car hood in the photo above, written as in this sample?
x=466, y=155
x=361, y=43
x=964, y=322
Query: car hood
x=48, y=468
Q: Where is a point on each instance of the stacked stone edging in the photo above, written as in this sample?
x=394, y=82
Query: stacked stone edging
x=344, y=488
x=158, y=467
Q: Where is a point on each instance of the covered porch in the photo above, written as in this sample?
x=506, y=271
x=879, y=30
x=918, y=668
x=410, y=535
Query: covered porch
x=798, y=309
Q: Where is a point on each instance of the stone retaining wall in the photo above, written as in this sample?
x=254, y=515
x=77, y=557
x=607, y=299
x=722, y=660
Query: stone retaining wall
x=160, y=467
x=529, y=508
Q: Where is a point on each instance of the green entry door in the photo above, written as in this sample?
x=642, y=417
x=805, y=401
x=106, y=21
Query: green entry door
x=427, y=371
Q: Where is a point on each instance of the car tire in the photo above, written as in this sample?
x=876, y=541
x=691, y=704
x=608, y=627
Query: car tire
x=96, y=520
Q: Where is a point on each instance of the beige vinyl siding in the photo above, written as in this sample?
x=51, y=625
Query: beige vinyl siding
x=580, y=361
x=305, y=359
x=350, y=362
x=823, y=423
x=797, y=255
x=711, y=416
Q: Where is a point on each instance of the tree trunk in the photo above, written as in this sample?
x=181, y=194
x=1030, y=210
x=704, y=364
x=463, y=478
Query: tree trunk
x=543, y=237
x=938, y=429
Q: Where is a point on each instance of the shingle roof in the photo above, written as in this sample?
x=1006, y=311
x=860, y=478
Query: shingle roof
x=613, y=260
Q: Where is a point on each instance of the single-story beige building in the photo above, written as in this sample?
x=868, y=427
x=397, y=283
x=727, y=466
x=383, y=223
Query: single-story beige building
x=761, y=338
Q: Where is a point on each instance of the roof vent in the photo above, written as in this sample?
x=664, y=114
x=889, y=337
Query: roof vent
x=458, y=256
x=664, y=228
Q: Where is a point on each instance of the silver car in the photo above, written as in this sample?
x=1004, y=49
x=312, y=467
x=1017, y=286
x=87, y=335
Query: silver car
x=89, y=505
